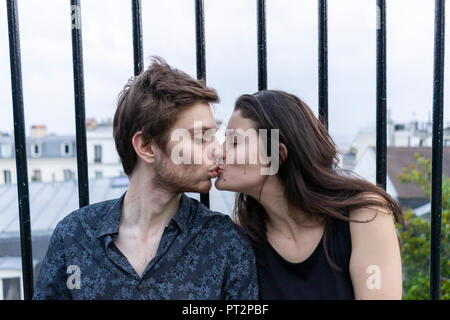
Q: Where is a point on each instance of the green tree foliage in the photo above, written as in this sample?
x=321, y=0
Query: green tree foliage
x=415, y=236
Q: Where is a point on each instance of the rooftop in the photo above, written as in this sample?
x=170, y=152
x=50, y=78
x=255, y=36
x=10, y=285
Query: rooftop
x=50, y=202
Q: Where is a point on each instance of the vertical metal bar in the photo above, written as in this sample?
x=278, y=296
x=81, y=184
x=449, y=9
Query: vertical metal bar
x=201, y=59
x=437, y=146
x=80, y=117
x=262, y=46
x=381, y=95
x=323, y=62
x=200, y=39
x=21, y=149
x=138, y=51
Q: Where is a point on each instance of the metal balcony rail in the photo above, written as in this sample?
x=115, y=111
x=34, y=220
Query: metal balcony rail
x=136, y=5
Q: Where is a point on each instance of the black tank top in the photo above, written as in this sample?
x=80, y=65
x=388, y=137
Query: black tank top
x=312, y=278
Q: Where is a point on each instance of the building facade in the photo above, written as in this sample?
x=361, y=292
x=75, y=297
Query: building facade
x=54, y=157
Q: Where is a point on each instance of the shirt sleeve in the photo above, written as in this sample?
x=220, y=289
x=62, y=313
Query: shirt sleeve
x=241, y=279
x=51, y=283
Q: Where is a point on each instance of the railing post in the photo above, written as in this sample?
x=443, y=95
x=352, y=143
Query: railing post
x=381, y=95
x=21, y=149
x=323, y=62
x=136, y=8
x=201, y=59
x=262, y=45
x=437, y=146
x=80, y=117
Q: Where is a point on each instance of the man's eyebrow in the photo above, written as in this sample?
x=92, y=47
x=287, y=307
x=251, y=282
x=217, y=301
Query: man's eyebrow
x=203, y=128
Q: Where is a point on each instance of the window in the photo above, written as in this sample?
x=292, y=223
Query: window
x=7, y=176
x=10, y=289
x=36, y=176
x=98, y=153
x=6, y=150
x=66, y=149
x=35, y=150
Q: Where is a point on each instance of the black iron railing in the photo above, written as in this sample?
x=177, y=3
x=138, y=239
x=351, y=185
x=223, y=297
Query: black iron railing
x=21, y=151
x=77, y=55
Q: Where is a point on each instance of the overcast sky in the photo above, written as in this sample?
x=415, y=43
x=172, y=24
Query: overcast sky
x=231, y=56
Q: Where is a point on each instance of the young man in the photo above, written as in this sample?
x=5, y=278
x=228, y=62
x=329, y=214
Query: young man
x=154, y=242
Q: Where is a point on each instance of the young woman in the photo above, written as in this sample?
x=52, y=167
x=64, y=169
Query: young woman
x=319, y=231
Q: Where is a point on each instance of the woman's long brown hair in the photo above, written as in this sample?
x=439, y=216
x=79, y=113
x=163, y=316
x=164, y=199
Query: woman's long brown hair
x=313, y=181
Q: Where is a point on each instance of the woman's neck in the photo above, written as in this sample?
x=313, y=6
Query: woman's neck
x=284, y=218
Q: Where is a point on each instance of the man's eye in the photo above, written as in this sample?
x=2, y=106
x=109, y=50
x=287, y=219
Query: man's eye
x=201, y=140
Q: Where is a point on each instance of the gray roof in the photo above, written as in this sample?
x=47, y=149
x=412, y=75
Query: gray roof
x=13, y=263
x=52, y=201
x=401, y=157
x=50, y=146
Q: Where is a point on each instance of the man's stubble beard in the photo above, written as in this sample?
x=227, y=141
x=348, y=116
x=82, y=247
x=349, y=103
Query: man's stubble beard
x=173, y=178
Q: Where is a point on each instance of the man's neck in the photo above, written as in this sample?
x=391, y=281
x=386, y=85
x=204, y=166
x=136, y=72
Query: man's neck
x=147, y=208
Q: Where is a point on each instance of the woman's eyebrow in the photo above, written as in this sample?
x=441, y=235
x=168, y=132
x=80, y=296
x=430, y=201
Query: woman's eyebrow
x=233, y=132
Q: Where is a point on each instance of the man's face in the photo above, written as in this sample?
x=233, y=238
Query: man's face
x=191, y=139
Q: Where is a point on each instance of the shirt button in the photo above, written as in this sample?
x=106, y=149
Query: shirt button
x=139, y=287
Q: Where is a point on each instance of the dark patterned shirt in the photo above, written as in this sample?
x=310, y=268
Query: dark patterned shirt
x=201, y=255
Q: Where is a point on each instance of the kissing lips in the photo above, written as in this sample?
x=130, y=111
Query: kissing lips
x=215, y=172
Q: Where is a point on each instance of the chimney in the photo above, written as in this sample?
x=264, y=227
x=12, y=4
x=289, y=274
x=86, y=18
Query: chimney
x=38, y=131
x=91, y=124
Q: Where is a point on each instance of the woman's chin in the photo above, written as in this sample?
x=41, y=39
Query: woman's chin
x=220, y=183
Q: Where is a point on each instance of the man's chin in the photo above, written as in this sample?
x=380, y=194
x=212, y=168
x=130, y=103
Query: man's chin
x=201, y=187
x=204, y=187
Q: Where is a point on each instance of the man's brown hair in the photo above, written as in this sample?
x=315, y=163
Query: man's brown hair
x=150, y=103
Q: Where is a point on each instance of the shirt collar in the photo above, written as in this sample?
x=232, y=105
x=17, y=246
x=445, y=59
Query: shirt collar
x=109, y=223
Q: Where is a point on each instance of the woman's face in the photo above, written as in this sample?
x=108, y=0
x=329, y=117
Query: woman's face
x=241, y=168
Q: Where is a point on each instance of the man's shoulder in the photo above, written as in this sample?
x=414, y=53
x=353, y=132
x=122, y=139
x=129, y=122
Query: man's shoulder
x=87, y=216
x=210, y=218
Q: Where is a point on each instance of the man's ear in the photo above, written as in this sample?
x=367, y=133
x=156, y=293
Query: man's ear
x=145, y=151
x=283, y=153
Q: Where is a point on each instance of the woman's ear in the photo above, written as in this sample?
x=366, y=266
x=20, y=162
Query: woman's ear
x=283, y=153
